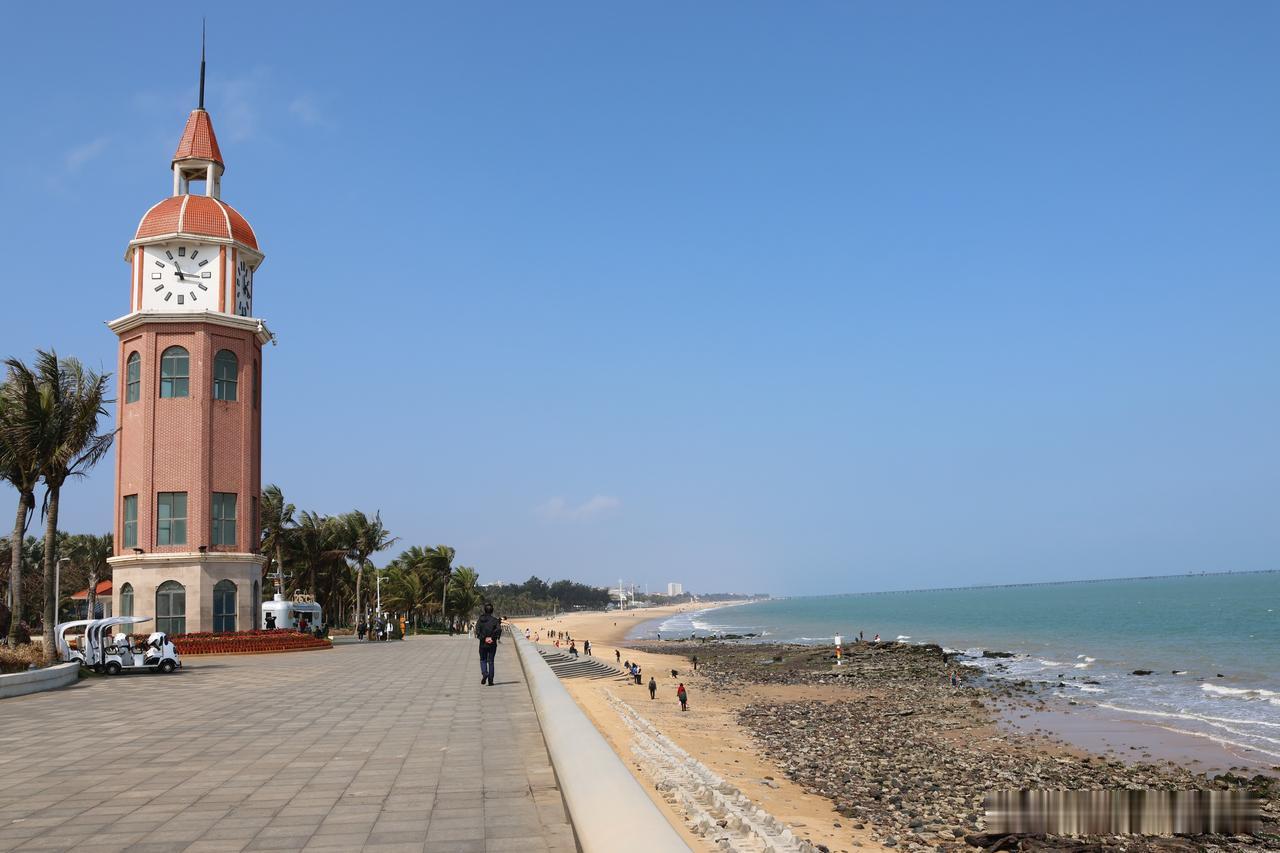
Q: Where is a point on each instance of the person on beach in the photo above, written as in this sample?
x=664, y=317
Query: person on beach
x=573, y=648
x=653, y=688
x=526, y=633
x=617, y=655
x=488, y=630
x=695, y=663
x=683, y=696
x=586, y=648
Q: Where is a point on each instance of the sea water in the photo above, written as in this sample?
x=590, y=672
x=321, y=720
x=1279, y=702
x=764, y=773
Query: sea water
x=1211, y=641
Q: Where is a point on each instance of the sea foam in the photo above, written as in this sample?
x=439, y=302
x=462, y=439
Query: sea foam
x=1219, y=691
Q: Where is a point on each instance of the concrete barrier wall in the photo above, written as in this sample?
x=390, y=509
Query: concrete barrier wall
x=610, y=812
x=33, y=681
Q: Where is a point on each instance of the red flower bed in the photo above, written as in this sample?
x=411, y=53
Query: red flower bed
x=245, y=642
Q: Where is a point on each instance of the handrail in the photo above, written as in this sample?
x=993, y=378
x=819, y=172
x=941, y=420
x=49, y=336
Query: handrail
x=610, y=811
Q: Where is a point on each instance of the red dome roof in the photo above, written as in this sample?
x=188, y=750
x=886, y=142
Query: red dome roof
x=198, y=140
x=199, y=216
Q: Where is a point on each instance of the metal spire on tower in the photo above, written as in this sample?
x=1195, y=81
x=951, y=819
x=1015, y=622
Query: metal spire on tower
x=202, y=63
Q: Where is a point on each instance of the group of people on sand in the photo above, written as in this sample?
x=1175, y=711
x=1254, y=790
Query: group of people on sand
x=634, y=672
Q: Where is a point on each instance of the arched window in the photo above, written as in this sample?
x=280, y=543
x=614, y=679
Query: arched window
x=224, y=606
x=226, y=370
x=174, y=372
x=133, y=378
x=126, y=600
x=171, y=608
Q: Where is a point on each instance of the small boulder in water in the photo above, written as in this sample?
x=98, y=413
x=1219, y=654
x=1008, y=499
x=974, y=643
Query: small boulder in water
x=1142, y=672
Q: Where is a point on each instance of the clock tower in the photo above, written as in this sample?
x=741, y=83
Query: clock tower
x=188, y=452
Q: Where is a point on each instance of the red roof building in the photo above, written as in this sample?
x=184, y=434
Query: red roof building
x=102, y=589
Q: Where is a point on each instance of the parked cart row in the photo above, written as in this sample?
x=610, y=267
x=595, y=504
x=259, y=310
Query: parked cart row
x=98, y=650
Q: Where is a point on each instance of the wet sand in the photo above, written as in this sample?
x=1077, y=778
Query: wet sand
x=1135, y=738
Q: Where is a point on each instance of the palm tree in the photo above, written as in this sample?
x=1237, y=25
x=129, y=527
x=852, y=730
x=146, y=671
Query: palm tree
x=365, y=536
x=277, y=525
x=440, y=561
x=319, y=543
x=21, y=427
x=407, y=590
x=465, y=584
x=72, y=399
x=92, y=552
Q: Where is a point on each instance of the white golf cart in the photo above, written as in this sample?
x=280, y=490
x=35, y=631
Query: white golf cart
x=100, y=652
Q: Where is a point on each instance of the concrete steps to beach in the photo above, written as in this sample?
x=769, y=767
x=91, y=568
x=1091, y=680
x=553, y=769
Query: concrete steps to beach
x=568, y=666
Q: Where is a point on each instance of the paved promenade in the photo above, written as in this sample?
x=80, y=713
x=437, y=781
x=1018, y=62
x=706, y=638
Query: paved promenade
x=381, y=747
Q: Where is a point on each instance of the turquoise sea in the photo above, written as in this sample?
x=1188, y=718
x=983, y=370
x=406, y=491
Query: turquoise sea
x=1212, y=642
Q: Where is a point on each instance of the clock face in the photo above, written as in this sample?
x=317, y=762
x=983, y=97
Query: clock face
x=182, y=274
x=244, y=289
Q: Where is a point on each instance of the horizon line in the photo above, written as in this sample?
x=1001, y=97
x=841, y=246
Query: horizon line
x=1033, y=583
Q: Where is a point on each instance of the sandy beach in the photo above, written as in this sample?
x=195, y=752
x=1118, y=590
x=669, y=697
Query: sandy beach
x=709, y=731
x=882, y=754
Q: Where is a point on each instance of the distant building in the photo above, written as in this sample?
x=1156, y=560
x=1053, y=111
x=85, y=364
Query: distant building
x=675, y=589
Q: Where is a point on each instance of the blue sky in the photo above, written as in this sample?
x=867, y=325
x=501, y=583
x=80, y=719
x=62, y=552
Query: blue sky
x=800, y=298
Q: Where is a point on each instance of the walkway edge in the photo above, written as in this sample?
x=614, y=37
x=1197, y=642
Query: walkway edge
x=610, y=811
x=36, y=680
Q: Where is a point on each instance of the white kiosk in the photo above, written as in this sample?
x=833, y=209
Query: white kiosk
x=289, y=614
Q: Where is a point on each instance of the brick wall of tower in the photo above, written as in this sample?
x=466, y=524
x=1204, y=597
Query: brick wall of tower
x=195, y=444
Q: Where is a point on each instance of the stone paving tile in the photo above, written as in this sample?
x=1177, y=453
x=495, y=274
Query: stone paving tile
x=390, y=748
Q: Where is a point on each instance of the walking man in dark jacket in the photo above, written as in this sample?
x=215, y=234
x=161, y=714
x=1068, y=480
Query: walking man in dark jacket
x=488, y=629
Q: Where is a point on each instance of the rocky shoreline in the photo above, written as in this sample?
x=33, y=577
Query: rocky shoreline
x=912, y=758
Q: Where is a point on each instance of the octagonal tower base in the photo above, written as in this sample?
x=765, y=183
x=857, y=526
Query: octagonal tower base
x=197, y=574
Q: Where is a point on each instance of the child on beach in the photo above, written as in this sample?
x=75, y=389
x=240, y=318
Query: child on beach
x=683, y=696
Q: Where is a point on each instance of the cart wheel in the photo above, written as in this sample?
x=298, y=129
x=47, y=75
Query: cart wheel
x=113, y=668
x=166, y=666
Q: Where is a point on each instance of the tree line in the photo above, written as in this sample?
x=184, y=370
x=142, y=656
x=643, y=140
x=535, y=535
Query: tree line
x=536, y=597
x=328, y=556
